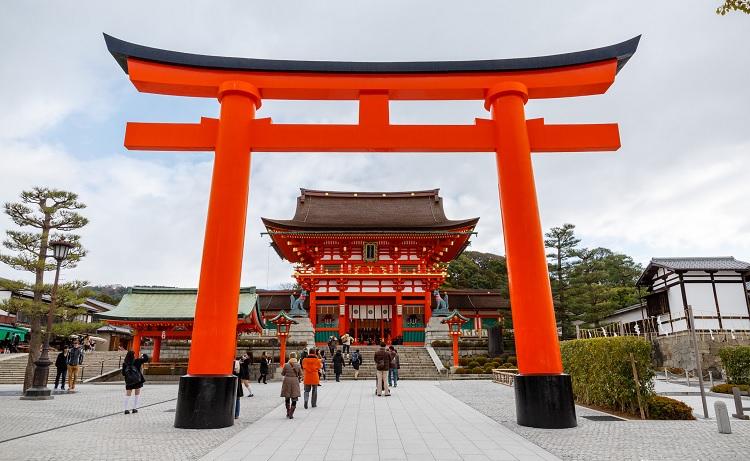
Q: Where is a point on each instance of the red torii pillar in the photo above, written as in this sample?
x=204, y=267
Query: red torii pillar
x=543, y=394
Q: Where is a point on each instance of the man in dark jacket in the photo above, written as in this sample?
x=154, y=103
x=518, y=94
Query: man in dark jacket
x=395, y=365
x=382, y=365
x=75, y=359
x=61, y=363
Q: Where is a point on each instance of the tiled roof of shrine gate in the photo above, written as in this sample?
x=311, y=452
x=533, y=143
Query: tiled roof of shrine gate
x=169, y=304
x=369, y=211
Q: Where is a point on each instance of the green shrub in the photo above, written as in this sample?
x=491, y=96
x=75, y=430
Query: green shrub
x=441, y=343
x=736, y=361
x=512, y=359
x=473, y=364
x=476, y=371
x=507, y=365
x=602, y=374
x=727, y=388
x=660, y=407
x=481, y=360
x=463, y=361
x=460, y=371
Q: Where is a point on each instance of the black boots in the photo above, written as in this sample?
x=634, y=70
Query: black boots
x=291, y=411
x=288, y=409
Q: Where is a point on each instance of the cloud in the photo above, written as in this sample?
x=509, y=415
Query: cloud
x=675, y=187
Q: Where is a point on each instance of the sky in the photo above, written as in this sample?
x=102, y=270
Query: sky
x=677, y=187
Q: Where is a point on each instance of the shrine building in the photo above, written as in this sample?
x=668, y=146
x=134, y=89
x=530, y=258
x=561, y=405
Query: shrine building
x=371, y=262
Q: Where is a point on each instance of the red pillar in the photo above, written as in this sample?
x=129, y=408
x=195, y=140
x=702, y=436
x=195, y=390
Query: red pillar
x=282, y=351
x=455, y=350
x=313, y=309
x=214, y=331
x=343, y=317
x=537, y=345
x=427, y=307
x=157, y=349
x=398, y=318
x=136, y=343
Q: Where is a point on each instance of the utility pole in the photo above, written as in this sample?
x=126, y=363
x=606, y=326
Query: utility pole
x=698, y=361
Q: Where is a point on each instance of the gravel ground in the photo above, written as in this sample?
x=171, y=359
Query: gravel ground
x=600, y=440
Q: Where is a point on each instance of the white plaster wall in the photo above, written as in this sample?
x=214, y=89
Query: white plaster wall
x=701, y=297
x=731, y=298
x=675, y=302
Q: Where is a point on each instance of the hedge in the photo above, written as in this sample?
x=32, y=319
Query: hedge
x=602, y=374
x=736, y=361
x=727, y=388
x=660, y=407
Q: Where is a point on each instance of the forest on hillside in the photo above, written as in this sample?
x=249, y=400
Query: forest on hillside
x=587, y=283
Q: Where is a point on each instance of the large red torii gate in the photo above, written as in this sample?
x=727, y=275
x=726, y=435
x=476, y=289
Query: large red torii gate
x=206, y=395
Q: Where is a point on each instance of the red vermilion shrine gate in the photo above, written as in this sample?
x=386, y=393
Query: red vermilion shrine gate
x=543, y=393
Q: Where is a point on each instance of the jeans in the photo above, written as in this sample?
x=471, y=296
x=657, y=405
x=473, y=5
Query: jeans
x=393, y=377
x=237, y=409
x=382, y=382
x=72, y=375
x=314, y=389
x=60, y=377
x=346, y=348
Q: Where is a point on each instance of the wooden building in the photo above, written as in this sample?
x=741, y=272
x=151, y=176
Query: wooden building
x=166, y=313
x=715, y=288
x=371, y=262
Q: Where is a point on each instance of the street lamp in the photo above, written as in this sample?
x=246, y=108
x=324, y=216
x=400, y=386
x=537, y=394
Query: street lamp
x=39, y=389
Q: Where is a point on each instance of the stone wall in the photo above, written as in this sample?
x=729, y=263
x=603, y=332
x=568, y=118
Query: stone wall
x=677, y=350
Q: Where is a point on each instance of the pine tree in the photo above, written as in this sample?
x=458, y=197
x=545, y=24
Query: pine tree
x=52, y=214
x=562, y=241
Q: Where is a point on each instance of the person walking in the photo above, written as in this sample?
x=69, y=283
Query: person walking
x=332, y=345
x=61, y=363
x=131, y=370
x=237, y=371
x=324, y=365
x=382, y=364
x=290, y=385
x=338, y=365
x=356, y=362
x=263, y=368
x=346, y=342
x=244, y=373
x=312, y=367
x=75, y=359
x=394, y=367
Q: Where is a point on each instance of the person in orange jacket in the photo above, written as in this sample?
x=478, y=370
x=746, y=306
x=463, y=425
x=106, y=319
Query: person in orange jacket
x=311, y=366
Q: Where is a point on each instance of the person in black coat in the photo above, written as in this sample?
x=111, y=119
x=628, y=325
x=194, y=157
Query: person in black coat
x=131, y=370
x=263, y=368
x=237, y=371
x=338, y=364
x=61, y=363
x=244, y=375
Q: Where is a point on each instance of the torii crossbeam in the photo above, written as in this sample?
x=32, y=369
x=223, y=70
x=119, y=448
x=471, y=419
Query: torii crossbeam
x=543, y=393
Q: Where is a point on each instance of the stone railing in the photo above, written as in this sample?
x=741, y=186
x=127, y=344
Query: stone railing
x=504, y=376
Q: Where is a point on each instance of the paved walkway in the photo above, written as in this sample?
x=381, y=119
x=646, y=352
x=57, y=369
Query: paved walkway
x=418, y=422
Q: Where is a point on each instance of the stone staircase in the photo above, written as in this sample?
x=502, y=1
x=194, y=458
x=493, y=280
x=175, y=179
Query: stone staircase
x=415, y=364
x=12, y=370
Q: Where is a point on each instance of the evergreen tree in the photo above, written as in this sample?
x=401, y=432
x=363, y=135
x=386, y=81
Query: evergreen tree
x=562, y=241
x=473, y=269
x=52, y=214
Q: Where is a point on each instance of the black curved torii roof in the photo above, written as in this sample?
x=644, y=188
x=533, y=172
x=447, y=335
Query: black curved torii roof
x=122, y=50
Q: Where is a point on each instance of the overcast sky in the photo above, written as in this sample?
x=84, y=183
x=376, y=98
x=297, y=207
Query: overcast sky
x=677, y=187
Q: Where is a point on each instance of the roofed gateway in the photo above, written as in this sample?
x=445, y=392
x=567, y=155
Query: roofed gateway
x=371, y=260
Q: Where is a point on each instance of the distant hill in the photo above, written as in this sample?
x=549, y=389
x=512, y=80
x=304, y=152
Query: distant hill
x=106, y=293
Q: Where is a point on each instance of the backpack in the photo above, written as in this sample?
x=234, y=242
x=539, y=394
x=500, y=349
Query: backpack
x=355, y=358
x=132, y=375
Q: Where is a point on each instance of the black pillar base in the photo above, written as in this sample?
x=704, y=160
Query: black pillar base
x=37, y=393
x=545, y=401
x=206, y=402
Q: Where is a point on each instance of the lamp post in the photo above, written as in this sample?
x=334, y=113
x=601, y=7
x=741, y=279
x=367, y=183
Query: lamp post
x=454, y=321
x=39, y=389
x=283, y=323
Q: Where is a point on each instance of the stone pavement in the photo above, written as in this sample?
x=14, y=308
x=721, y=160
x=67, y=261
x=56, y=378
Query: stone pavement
x=90, y=425
x=611, y=440
x=691, y=395
x=418, y=422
